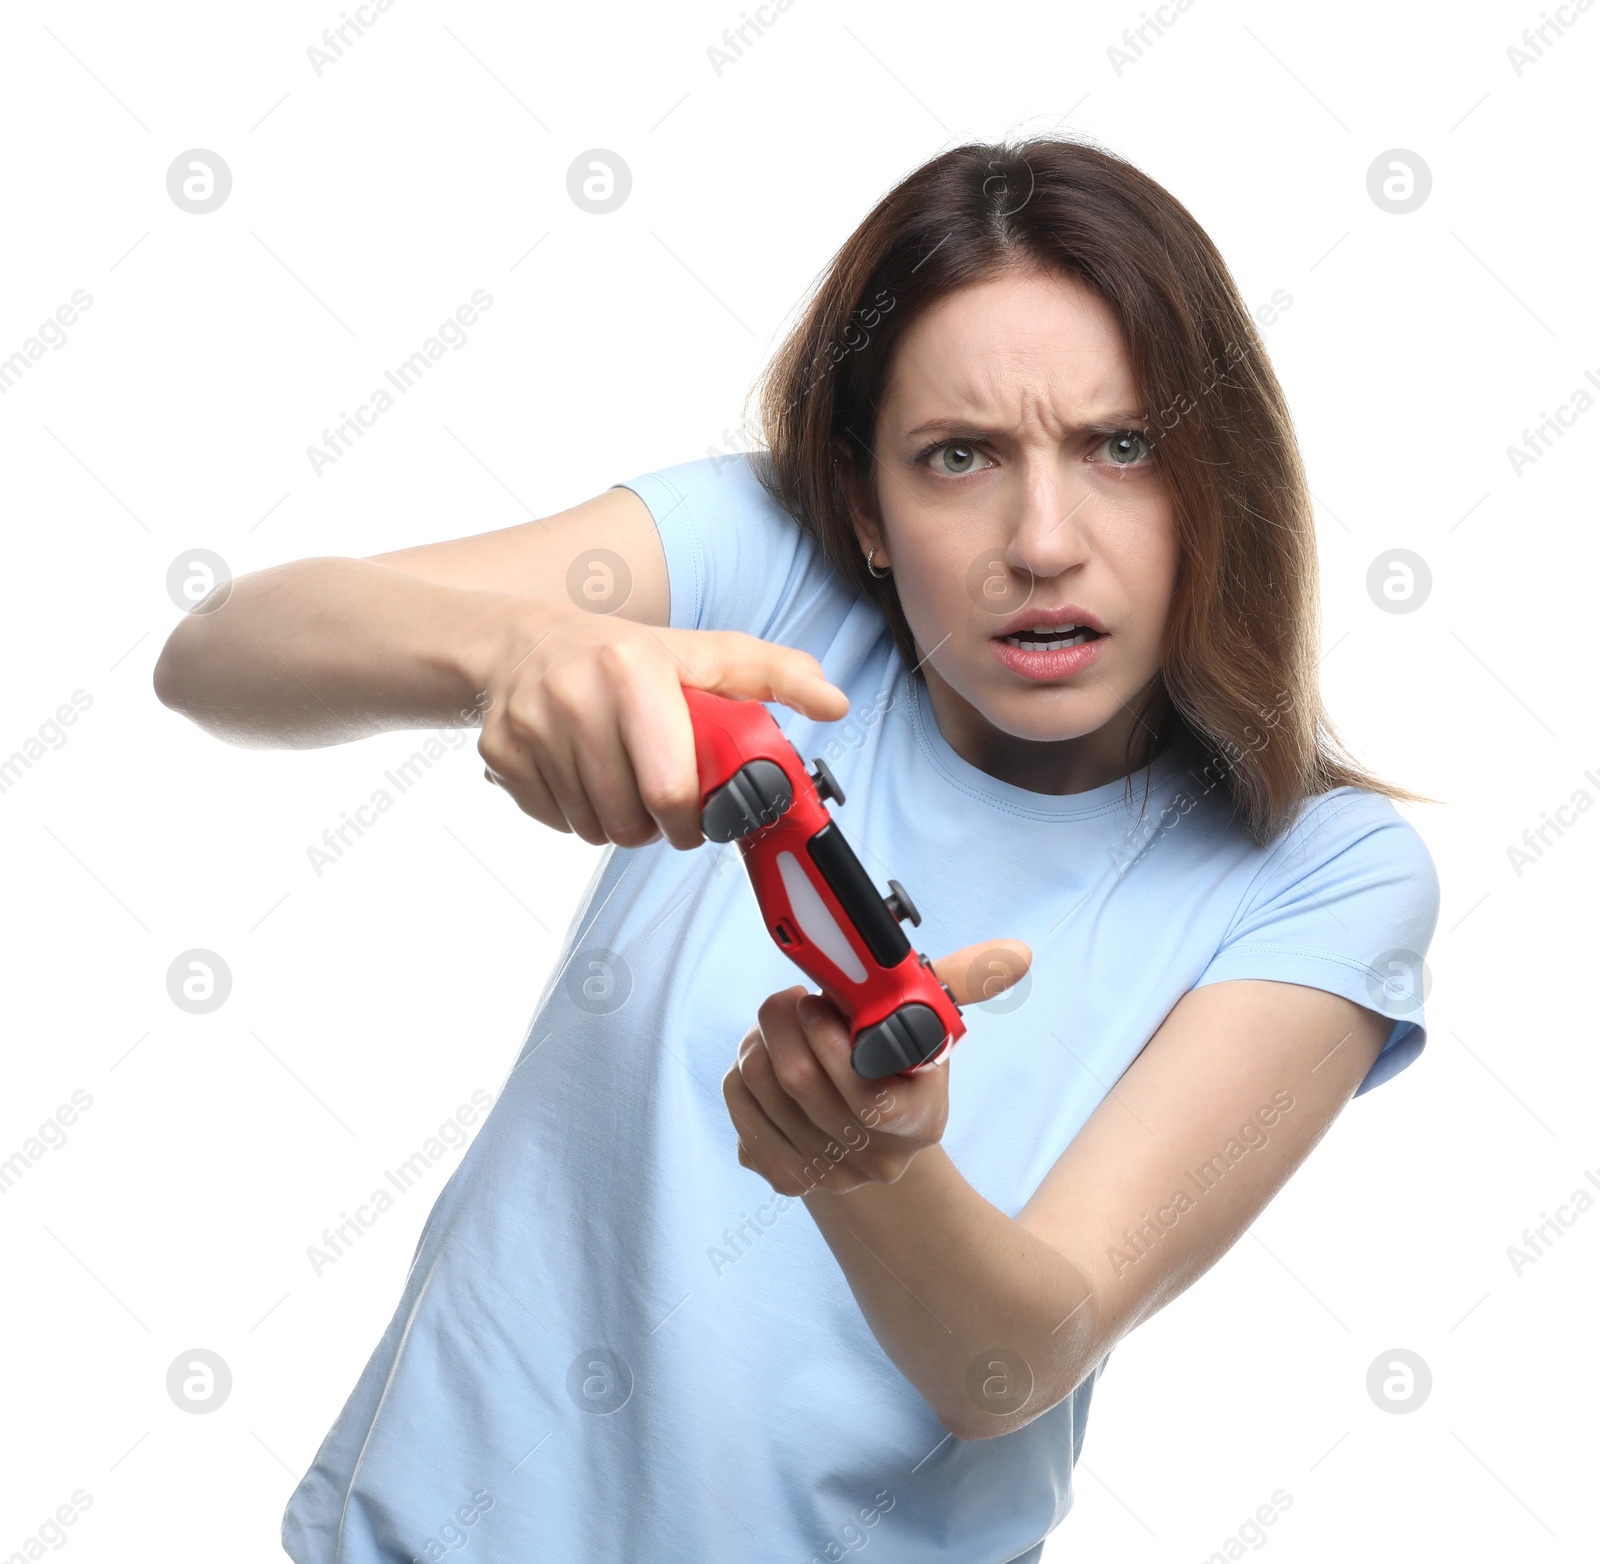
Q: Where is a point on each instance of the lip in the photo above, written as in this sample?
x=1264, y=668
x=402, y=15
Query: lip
x=1067, y=614
x=1053, y=664
x=1050, y=665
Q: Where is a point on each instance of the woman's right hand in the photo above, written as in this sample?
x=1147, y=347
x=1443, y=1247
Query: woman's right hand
x=585, y=725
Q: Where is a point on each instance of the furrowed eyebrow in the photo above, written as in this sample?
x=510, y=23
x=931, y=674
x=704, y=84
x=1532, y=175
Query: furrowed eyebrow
x=1111, y=423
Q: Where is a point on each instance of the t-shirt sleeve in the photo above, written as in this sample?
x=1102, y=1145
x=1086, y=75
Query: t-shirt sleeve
x=737, y=560
x=1347, y=902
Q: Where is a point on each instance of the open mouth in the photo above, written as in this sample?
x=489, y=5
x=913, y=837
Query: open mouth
x=1050, y=639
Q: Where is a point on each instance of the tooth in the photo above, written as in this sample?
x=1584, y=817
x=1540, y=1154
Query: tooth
x=1044, y=637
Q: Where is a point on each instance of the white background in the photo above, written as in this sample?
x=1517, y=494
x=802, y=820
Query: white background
x=368, y=1003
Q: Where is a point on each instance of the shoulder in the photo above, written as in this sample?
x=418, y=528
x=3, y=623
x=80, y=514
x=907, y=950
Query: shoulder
x=1350, y=831
x=1347, y=900
x=721, y=494
x=715, y=482
x=1351, y=881
x=736, y=558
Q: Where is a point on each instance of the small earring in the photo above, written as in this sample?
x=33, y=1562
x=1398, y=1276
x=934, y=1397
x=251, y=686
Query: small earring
x=880, y=574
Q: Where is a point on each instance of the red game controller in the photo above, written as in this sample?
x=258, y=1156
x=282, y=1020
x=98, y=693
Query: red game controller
x=820, y=905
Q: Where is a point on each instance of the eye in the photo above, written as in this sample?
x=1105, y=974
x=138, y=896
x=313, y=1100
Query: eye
x=953, y=458
x=1127, y=448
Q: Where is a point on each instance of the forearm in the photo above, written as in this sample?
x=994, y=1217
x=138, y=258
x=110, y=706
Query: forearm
x=947, y=1281
x=322, y=651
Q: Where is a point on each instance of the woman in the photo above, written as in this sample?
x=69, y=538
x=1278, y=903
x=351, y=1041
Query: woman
x=1034, y=518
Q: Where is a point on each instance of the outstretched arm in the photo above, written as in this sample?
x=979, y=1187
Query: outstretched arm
x=996, y=1319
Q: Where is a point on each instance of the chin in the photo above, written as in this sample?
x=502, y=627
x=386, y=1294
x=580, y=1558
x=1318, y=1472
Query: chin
x=1050, y=714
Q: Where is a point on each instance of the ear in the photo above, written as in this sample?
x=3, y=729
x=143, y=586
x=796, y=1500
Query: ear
x=863, y=511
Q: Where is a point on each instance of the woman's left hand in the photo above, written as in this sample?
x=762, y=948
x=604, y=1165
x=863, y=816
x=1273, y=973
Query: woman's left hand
x=807, y=1121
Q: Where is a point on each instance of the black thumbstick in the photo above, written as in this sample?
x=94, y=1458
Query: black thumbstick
x=900, y=904
x=826, y=784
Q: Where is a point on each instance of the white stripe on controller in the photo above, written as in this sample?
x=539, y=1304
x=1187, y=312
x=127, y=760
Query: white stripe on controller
x=816, y=922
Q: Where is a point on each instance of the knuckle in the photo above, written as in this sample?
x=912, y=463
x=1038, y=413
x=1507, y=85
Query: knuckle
x=669, y=792
x=635, y=835
x=572, y=701
x=582, y=823
x=519, y=714
x=494, y=748
x=796, y=1075
x=768, y=1011
x=565, y=685
x=617, y=658
x=721, y=649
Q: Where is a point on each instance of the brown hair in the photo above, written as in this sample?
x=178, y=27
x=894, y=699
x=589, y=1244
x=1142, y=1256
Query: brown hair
x=1241, y=637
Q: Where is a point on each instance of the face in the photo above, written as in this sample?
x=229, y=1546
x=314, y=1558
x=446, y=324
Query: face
x=1016, y=498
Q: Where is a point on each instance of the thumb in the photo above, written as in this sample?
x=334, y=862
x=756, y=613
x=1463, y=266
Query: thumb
x=979, y=972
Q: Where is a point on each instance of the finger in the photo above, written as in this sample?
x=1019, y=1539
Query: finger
x=907, y=1106
x=730, y=662
x=574, y=731
x=755, y=1068
x=766, y=1149
x=601, y=776
x=535, y=737
x=815, y=1162
x=653, y=721
x=827, y=1034
x=528, y=792
x=580, y=752
x=606, y=775
x=793, y=1083
x=979, y=972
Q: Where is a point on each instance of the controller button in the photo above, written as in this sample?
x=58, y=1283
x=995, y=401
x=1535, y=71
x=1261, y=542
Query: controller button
x=909, y=1037
x=826, y=784
x=753, y=797
x=900, y=905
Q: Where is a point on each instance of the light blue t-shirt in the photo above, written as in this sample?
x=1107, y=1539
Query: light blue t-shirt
x=617, y=1344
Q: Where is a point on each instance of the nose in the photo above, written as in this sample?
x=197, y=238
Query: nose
x=1051, y=509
